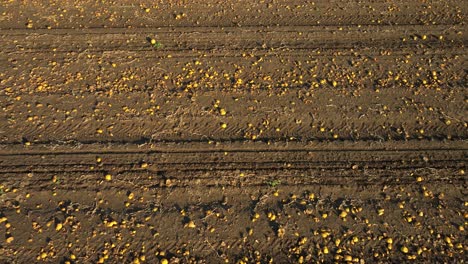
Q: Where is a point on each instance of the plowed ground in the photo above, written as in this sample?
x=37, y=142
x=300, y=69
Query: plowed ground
x=233, y=131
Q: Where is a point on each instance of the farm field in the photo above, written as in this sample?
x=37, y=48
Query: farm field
x=233, y=131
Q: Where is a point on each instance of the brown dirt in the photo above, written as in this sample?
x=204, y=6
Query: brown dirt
x=277, y=131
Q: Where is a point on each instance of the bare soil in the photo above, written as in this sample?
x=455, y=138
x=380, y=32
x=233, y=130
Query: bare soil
x=233, y=131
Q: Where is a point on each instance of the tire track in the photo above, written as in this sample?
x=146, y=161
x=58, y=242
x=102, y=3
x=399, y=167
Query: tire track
x=226, y=39
x=212, y=167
